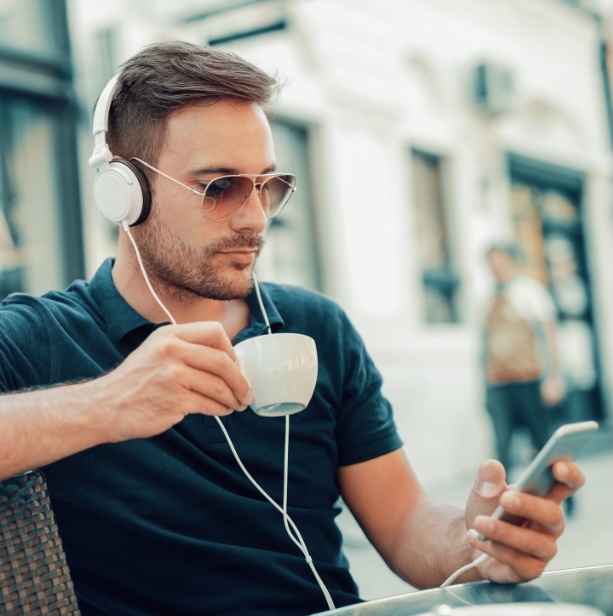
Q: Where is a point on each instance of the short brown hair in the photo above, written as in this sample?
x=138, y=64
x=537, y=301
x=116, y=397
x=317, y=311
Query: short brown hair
x=165, y=77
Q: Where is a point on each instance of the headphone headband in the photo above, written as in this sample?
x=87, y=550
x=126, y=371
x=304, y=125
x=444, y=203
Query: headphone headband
x=102, y=153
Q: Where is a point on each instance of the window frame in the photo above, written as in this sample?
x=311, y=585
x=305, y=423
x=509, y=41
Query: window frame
x=444, y=280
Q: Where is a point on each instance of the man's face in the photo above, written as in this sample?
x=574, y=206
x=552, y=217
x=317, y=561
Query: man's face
x=190, y=255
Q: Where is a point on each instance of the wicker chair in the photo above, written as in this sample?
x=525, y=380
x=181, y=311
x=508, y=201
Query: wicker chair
x=34, y=576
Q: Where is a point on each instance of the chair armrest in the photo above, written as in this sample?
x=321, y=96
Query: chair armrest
x=34, y=575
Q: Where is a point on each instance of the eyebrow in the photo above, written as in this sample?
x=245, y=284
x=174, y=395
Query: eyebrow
x=229, y=171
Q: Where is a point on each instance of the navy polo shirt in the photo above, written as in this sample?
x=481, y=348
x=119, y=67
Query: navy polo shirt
x=169, y=524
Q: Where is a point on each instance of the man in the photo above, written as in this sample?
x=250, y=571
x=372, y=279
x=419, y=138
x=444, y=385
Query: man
x=521, y=359
x=118, y=407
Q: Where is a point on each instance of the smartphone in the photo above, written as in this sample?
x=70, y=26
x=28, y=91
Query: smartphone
x=564, y=444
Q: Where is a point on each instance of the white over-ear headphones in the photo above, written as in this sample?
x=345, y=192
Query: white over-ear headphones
x=121, y=191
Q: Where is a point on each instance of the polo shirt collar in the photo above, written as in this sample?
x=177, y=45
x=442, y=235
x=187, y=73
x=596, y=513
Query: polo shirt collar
x=121, y=318
x=257, y=324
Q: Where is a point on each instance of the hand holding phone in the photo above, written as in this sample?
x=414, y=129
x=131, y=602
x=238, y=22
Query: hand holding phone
x=537, y=479
x=564, y=444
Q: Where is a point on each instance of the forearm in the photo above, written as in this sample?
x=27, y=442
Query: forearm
x=431, y=545
x=41, y=426
x=420, y=539
x=178, y=370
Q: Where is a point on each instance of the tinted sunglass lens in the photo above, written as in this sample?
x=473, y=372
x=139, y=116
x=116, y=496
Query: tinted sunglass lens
x=225, y=195
x=278, y=190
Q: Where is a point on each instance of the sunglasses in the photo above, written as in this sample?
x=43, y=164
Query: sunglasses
x=225, y=195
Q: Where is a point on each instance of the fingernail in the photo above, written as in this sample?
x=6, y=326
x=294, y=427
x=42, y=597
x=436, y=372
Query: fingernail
x=472, y=534
x=487, y=489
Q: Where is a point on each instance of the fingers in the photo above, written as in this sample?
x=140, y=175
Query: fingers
x=208, y=350
x=204, y=333
x=523, y=558
x=501, y=540
x=490, y=486
x=569, y=477
x=490, y=481
x=197, y=358
x=543, y=512
x=215, y=374
x=487, y=488
x=518, y=553
x=218, y=389
x=543, y=515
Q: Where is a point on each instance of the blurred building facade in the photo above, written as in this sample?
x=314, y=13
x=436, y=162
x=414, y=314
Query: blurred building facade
x=420, y=131
x=40, y=212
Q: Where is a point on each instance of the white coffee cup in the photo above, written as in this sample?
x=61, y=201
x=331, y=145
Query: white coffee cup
x=282, y=372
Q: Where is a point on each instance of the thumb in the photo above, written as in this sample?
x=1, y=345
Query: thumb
x=488, y=486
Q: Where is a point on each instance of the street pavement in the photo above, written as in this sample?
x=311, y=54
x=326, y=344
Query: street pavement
x=587, y=540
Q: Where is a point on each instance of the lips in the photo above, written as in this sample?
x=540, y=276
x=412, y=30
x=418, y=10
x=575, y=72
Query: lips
x=242, y=256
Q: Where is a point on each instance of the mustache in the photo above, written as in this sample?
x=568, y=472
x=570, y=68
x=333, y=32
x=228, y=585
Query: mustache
x=237, y=241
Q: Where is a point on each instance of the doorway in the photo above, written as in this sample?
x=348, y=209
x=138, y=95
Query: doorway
x=546, y=212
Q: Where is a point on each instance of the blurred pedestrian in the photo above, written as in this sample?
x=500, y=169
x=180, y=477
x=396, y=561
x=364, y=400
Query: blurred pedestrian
x=523, y=382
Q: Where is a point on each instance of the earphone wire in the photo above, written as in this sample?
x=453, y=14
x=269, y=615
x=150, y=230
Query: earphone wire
x=287, y=520
x=126, y=228
x=456, y=574
x=260, y=302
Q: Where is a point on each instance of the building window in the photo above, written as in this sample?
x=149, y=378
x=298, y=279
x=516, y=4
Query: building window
x=440, y=282
x=40, y=222
x=291, y=254
x=27, y=25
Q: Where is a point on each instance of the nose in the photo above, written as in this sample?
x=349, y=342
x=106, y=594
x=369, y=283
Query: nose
x=251, y=214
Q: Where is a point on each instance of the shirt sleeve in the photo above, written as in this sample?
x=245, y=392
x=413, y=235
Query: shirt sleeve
x=365, y=423
x=535, y=298
x=24, y=355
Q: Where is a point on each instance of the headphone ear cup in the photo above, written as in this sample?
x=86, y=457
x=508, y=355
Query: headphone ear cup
x=144, y=189
x=121, y=192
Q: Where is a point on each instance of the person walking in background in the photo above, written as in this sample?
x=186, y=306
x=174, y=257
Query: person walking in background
x=523, y=381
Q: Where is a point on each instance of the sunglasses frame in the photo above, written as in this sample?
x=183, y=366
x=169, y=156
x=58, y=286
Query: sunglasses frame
x=257, y=186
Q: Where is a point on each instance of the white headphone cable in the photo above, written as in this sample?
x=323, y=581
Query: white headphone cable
x=260, y=302
x=300, y=541
x=287, y=520
x=456, y=574
x=126, y=228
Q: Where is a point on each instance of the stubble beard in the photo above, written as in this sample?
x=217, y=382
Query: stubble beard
x=182, y=271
